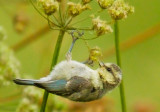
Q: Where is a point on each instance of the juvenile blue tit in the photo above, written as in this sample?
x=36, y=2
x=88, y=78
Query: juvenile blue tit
x=78, y=82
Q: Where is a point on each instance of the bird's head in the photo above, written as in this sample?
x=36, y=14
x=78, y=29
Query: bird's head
x=110, y=73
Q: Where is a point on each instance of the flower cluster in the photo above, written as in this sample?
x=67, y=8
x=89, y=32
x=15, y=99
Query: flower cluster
x=30, y=101
x=95, y=54
x=104, y=4
x=117, y=9
x=49, y=6
x=76, y=9
x=120, y=10
x=100, y=26
x=9, y=65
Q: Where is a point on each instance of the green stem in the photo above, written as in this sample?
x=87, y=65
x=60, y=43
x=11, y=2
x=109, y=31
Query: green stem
x=54, y=62
x=118, y=58
x=42, y=14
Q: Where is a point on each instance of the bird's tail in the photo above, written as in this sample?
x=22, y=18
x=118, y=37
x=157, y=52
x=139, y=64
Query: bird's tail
x=25, y=81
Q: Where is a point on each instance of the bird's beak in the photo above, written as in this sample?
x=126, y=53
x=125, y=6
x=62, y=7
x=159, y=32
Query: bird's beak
x=101, y=64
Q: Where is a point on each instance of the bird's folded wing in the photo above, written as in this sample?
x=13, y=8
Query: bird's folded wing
x=57, y=85
x=75, y=84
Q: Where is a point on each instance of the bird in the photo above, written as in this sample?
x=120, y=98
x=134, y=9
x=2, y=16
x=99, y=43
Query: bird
x=78, y=82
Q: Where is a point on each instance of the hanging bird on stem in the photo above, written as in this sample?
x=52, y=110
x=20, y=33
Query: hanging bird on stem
x=76, y=81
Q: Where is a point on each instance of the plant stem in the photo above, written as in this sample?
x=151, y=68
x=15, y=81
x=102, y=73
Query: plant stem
x=118, y=58
x=54, y=62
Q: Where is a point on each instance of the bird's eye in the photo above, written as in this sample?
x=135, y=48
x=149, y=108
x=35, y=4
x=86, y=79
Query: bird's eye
x=109, y=69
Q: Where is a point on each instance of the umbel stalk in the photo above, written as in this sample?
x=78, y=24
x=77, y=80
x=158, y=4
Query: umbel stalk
x=118, y=58
x=54, y=62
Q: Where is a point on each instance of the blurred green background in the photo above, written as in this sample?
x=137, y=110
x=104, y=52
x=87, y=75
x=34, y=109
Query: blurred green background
x=140, y=54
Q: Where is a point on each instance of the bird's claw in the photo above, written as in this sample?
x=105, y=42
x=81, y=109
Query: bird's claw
x=69, y=56
x=76, y=34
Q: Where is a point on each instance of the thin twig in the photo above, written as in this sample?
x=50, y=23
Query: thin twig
x=72, y=28
x=68, y=21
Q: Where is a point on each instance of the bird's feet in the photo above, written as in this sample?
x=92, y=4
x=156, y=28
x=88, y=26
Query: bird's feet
x=75, y=36
x=69, y=56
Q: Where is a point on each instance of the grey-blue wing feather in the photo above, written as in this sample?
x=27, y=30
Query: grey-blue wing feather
x=52, y=86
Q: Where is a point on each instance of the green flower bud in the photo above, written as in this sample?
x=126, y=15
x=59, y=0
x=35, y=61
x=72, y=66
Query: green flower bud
x=120, y=10
x=104, y=4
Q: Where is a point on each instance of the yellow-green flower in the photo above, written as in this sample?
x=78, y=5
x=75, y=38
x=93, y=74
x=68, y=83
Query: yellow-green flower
x=75, y=9
x=101, y=27
x=49, y=6
x=120, y=10
x=105, y=3
x=95, y=54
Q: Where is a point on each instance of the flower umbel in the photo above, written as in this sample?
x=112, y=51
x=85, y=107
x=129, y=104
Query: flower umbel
x=120, y=10
x=100, y=26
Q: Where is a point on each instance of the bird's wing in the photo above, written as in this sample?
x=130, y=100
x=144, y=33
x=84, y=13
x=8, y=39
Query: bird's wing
x=57, y=85
x=75, y=84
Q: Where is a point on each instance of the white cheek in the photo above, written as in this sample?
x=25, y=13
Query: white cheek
x=109, y=77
